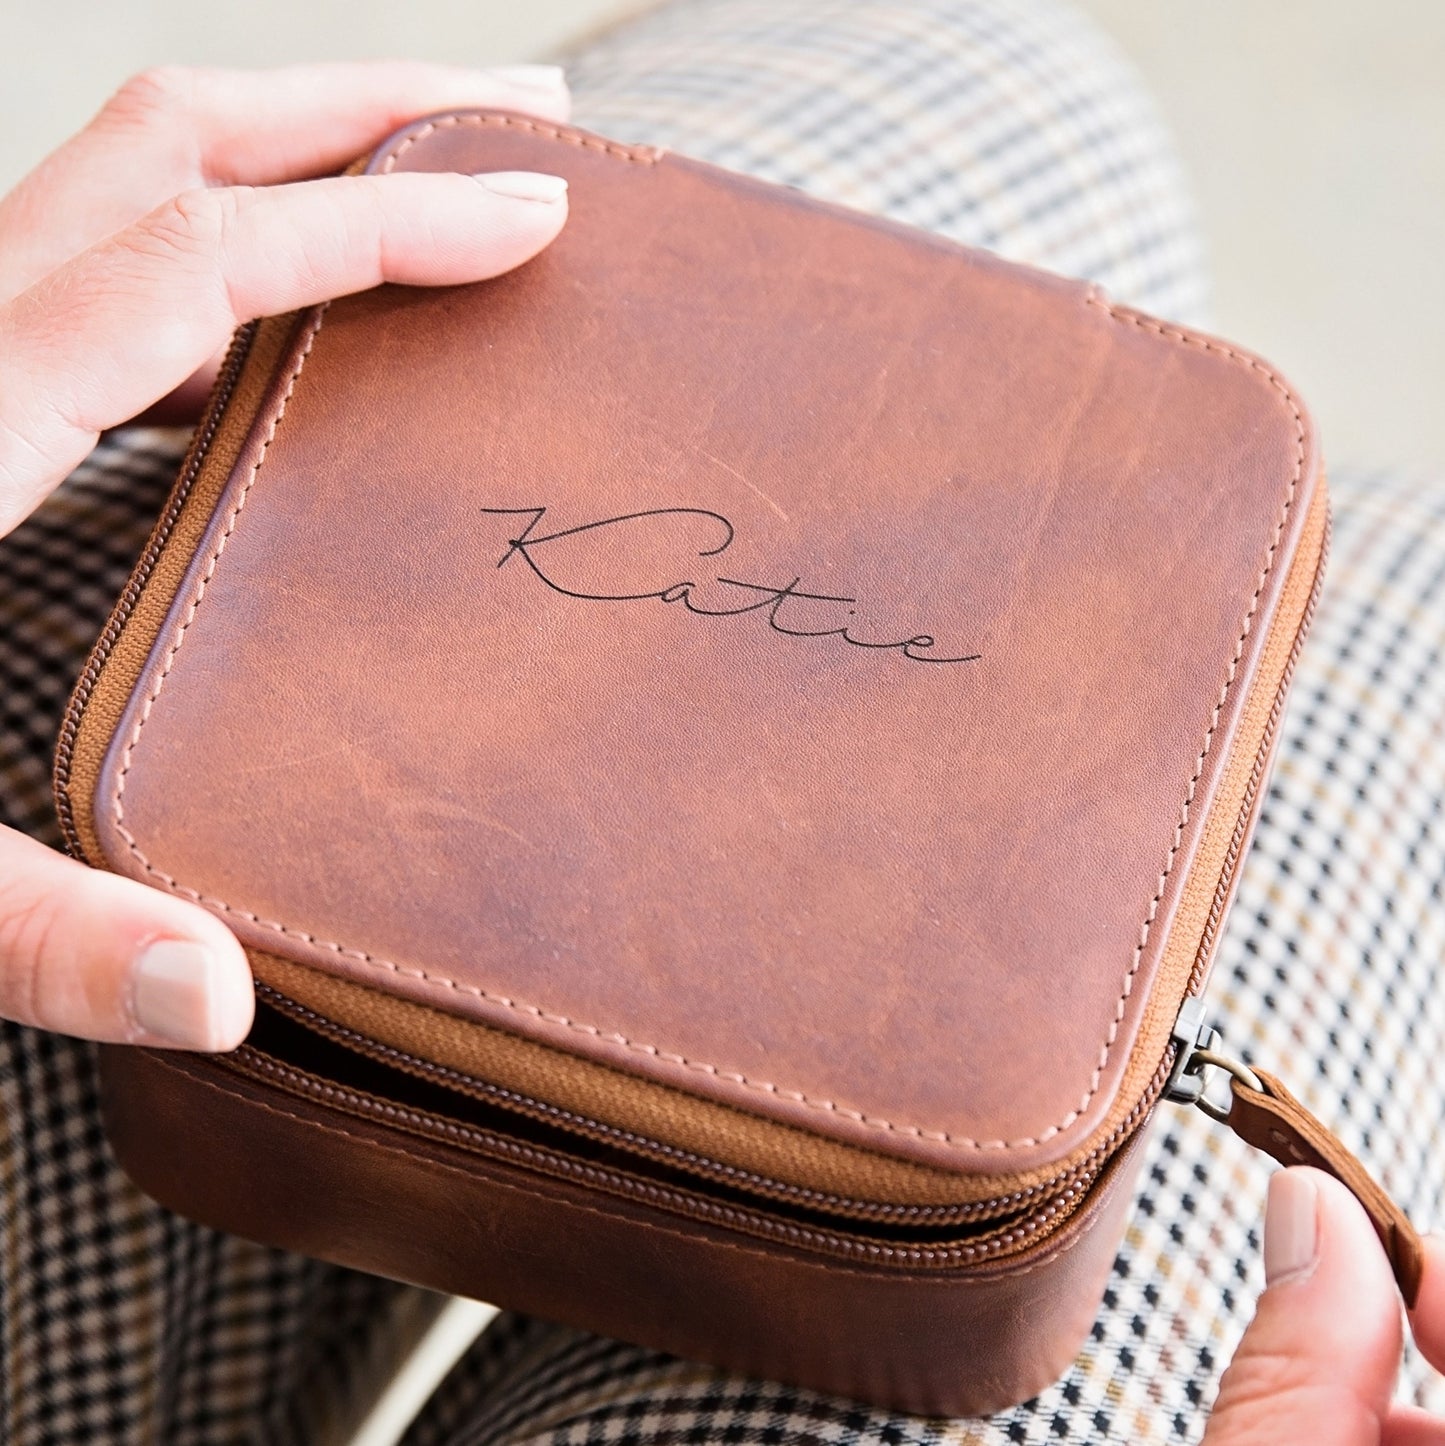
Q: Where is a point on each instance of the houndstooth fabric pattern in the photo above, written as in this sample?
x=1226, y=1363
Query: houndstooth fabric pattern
x=1004, y=123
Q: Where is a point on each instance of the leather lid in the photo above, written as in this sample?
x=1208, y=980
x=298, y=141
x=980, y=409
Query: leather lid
x=759, y=646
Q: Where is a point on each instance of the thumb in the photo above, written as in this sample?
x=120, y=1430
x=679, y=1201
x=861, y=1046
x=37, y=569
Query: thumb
x=1318, y=1361
x=89, y=953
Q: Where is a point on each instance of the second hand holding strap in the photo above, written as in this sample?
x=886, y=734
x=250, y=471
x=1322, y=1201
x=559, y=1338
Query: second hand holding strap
x=1263, y=1113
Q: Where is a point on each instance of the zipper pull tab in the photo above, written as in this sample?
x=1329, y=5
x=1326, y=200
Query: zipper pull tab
x=1263, y=1113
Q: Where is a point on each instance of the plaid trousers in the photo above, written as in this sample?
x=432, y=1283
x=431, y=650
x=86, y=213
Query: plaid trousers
x=1009, y=124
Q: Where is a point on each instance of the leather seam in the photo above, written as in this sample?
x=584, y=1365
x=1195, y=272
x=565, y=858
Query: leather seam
x=441, y=982
x=919, y=1277
x=642, y=156
x=341, y=1100
x=629, y=1136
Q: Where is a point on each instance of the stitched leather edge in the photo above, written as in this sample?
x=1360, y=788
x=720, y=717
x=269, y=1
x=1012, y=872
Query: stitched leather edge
x=440, y=982
x=1082, y=1217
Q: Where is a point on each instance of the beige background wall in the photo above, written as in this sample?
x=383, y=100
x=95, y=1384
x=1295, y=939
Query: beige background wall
x=1314, y=130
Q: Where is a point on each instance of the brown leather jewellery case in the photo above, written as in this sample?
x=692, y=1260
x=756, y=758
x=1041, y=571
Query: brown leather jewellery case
x=729, y=748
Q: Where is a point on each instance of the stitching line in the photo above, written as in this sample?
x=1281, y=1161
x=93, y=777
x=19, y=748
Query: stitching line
x=642, y=155
x=340, y=1100
x=440, y=982
x=918, y=1277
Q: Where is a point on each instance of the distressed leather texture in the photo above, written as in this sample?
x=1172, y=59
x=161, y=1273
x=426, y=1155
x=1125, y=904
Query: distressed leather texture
x=945, y=1343
x=395, y=728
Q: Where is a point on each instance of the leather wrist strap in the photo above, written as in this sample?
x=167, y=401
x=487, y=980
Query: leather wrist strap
x=1274, y=1121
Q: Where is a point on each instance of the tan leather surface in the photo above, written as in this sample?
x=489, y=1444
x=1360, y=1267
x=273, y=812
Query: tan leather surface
x=1229, y=825
x=1277, y=1123
x=120, y=654
x=934, y=1342
x=912, y=905
x=737, y=1138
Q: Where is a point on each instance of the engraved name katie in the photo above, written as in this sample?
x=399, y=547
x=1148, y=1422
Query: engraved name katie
x=560, y=561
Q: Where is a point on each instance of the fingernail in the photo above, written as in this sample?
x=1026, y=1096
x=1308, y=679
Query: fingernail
x=524, y=185
x=532, y=77
x=1291, y=1226
x=190, y=996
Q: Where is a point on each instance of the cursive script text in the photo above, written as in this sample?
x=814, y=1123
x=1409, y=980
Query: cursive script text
x=781, y=604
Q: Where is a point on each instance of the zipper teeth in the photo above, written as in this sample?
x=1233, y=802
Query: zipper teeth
x=670, y=1154
x=1256, y=777
x=80, y=695
x=1005, y=1241
x=1064, y=1193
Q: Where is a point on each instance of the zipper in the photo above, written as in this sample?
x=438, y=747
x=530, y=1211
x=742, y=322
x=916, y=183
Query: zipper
x=1197, y=1045
x=907, y=1241
x=190, y=466
x=644, y=1147
x=1257, y=775
x=1194, y=1044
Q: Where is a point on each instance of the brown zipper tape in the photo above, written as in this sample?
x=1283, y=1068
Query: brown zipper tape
x=601, y=1093
x=992, y=1242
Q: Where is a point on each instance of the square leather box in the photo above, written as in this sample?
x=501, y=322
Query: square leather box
x=728, y=748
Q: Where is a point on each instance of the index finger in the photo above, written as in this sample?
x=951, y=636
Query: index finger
x=125, y=322
x=175, y=129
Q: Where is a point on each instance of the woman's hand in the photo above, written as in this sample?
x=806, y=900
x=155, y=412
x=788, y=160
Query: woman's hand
x=1317, y=1365
x=126, y=260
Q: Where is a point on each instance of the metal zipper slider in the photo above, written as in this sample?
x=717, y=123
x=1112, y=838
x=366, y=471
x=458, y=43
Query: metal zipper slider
x=1263, y=1113
x=1196, y=1048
